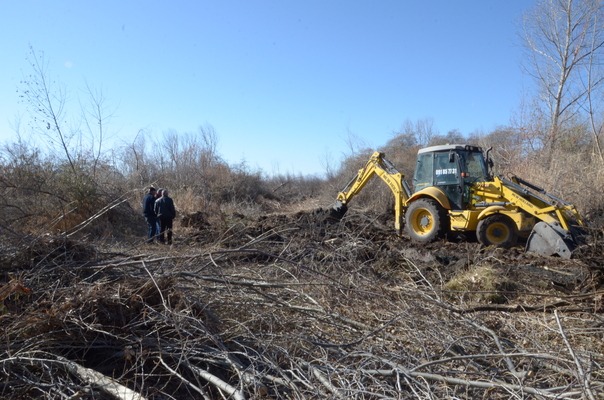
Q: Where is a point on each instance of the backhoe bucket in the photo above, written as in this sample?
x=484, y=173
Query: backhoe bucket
x=338, y=210
x=549, y=240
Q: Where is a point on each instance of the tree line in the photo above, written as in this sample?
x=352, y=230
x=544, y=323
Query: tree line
x=555, y=140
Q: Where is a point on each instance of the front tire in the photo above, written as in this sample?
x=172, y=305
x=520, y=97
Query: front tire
x=497, y=230
x=425, y=221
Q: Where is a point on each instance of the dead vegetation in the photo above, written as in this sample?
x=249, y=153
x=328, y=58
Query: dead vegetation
x=282, y=303
x=294, y=306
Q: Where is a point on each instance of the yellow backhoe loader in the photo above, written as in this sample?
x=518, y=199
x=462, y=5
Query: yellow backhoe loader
x=455, y=192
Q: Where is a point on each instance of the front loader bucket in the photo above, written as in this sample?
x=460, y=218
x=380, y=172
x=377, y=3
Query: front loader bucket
x=549, y=240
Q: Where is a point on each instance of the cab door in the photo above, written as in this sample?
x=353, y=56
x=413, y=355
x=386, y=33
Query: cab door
x=447, y=177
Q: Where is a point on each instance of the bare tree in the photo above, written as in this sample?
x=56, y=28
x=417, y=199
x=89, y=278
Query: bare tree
x=209, y=140
x=96, y=118
x=136, y=162
x=190, y=157
x=47, y=103
x=592, y=77
x=46, y=100
x=420, y=132
x=565, y=39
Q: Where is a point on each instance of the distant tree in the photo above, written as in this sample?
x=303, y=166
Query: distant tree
x=46, y=99
x=508, y=147
x=355, y=144
x=419, y=132
x=47, y=104
x=454, y=136
x=190, y=157
x=565, y=42
x=96, y=119
x=402, y=150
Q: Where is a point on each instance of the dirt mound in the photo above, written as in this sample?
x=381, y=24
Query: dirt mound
x=295, y=306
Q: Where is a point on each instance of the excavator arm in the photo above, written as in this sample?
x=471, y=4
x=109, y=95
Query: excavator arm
x=379, y=166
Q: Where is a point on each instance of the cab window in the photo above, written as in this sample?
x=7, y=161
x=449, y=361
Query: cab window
x=423, y=172
x=445, y=169
x=475, y=167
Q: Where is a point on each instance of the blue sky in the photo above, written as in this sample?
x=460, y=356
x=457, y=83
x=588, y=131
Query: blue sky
x=284, y=84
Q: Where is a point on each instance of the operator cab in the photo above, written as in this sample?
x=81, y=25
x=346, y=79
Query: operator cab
x=452, y=168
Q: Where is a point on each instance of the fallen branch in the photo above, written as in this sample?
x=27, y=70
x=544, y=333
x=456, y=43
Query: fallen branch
x=219, y=383
x=87, y=222
x=581, y=374
x=185, y=380
x=325, y=382
x=104, y=383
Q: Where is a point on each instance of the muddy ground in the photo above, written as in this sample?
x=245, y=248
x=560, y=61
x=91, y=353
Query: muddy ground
x=294, y=305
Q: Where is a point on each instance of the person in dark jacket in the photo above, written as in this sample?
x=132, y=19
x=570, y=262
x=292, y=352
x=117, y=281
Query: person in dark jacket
x=165, y=211
x=149, y=214
x=157, y=196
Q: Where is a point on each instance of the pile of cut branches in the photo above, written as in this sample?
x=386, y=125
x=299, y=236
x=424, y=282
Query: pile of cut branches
x=291, y=307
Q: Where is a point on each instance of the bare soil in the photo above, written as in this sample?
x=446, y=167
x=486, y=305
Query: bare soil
x=294, y=305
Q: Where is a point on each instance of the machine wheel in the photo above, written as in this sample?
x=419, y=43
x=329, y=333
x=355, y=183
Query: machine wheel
x=425, y=220
x=497, y=230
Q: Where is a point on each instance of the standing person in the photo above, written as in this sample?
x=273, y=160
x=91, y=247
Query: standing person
x=157, y=196
x=149, y=214
x=165, y=211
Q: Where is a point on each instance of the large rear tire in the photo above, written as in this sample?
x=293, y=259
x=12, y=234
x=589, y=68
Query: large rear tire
x=425, y=221
x=497, y=230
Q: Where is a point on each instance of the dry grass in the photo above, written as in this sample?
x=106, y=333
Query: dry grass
x=481, y=284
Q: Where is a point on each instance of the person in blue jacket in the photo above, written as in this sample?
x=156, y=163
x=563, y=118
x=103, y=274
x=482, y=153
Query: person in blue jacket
x=149, y=214
x=166, y=212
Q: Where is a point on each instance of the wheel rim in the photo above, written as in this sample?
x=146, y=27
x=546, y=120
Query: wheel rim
x=422, y=222
x=497, y=233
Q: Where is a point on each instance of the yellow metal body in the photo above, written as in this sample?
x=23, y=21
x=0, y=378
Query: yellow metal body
x=522, y=206
x=467, y=220
x=499, y=196
x=434, y=193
